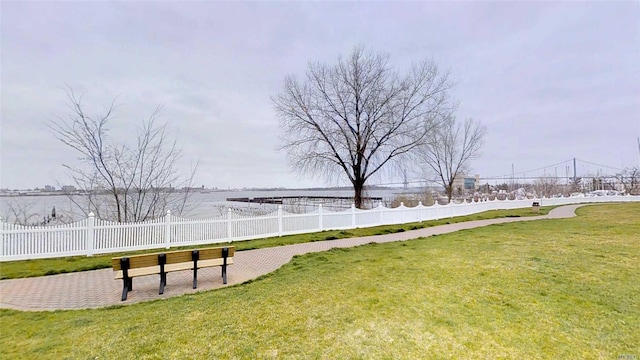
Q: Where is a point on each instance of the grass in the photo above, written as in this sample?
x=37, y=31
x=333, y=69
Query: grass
x=42, y=267
x=550, y=289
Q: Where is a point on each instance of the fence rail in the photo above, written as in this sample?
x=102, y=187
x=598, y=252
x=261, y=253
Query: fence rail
x=95, y=236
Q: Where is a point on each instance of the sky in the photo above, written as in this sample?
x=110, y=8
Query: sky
x=551, y=81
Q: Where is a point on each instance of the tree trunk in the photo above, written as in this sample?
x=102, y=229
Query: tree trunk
x=449, y=190
x=358, y=186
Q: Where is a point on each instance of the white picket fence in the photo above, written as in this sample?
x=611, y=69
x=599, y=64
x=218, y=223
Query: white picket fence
x=94, y=236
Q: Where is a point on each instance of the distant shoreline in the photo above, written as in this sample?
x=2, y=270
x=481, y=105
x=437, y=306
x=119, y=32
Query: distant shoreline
x=17, y=193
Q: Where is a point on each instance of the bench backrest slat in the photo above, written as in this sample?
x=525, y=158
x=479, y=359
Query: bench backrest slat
x=137, y=261
x=214, y=253
x=174, y=257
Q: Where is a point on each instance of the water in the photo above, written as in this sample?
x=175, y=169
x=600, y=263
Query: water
x=33, y=209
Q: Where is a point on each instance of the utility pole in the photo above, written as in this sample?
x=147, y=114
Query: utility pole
x=513, y=175
x=406, y=182
x=575, y=177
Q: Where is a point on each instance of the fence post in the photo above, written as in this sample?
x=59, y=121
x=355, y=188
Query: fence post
x=229, y=225
x=421, y=211
x=401, y=207
x=167, y=230
x=353, y=216
x=279, y=220
x=320, y=217
x=91, y=224
x=381, y=214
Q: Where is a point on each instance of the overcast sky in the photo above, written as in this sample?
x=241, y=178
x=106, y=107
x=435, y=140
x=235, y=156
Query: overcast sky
x=550, y=80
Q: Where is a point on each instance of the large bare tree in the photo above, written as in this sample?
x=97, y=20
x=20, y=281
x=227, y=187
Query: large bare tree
x=122, y=181
x=447, y=151
x=358, y=115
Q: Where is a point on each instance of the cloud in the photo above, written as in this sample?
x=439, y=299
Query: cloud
x=551, y=81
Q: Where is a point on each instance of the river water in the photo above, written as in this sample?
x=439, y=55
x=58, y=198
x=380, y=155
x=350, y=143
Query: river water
x=33, y=209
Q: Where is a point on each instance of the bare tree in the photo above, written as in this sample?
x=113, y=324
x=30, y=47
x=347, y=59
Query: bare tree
x=547, y=186
x=21, y=213
x=629, y=178
x=355, y=117
x=447, y=151
x=575, y=185
x=121, y=181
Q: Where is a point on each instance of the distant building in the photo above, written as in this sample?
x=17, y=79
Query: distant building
x=49, y=188
x=68, y=188
x=469, y=183
x=463, y=184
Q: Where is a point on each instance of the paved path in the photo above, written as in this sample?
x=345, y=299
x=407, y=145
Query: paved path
x=97, y=288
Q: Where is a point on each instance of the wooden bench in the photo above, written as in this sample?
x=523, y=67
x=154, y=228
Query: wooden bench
x=128, y=267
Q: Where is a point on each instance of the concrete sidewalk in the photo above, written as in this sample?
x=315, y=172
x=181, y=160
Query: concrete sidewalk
x=98, y=288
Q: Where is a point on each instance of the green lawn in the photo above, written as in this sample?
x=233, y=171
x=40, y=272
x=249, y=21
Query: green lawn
x=41, y=267
x=554, y=289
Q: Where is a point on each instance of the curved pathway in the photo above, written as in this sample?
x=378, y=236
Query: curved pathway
x=97, y=288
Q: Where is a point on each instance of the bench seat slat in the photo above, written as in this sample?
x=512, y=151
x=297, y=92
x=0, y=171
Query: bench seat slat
x=213, y=262
x=151, y=270
x=178, y=267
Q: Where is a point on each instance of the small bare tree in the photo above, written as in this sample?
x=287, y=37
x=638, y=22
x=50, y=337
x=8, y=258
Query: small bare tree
x=357, y=116
x=575, y=185
x=21, y=213
x=547, y=186
x=121, y=181
x=24, y=212
x=447, y=151
x=629, y=178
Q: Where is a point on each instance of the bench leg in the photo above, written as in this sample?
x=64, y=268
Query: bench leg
x=195, y=277
x=225, y=254
x=195, y=255
x=125, y=288
x=162, y=260
x=163, y=282
x=224, y=274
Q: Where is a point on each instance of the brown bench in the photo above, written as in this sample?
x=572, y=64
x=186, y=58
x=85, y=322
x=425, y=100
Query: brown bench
x=128, y=267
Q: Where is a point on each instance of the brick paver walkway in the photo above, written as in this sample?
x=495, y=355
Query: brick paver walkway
x=98, y=288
